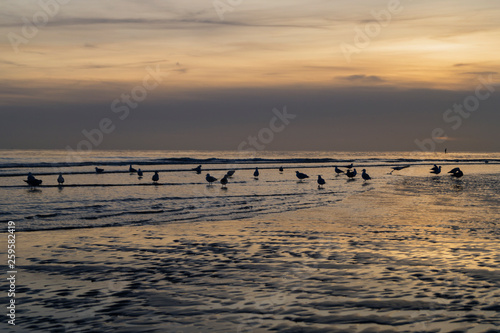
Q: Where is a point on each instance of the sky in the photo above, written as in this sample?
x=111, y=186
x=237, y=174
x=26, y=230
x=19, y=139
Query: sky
x=335, y=75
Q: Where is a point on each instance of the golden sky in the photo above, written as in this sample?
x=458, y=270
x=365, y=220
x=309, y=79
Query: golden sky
x=79, y=51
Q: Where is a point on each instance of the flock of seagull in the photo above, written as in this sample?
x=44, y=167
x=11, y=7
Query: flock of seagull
x=350, y=172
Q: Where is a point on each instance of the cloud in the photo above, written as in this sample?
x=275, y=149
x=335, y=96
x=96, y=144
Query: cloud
x=481, y=73
x=363, y=78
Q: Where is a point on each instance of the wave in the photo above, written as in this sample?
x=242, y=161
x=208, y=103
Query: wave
x=234, y=163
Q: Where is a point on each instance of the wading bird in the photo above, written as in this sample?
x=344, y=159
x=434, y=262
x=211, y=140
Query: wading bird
x=60, y=179
x=338, y=171
x=457, y=173
x=223, y=181
x=32, y=181
x=321, y=182
x=131, y=170
x=210, y=179
x=365, y=176
x=301, y=176
x=156, y=177
x=397, y=168
x=436, y=169
x=256, y=173
x=197, y=169
x=351, y=174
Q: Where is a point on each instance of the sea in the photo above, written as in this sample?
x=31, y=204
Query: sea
x=404, y=251
x=118, y=197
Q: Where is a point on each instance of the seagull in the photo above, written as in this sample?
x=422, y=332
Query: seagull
x=139, y=173
x=338, y=171
x=230, y=173
x=60, y=179
x=99, y=170
x=301, y=175
x=32, y=181
x=321, y=182
x=281, y=169
x=256, y=173
x=156, y=177
x=223, y=181
x=351, y=174
x=397, y=168
x=210, y=179
x=365, y=175
x=457, y=173
x=435, y=167
x=436, y=170
x=131, y=170
x=197, y=169
x=349, y=166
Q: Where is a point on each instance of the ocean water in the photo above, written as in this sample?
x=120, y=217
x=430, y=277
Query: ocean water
x=117, y=197
x=402, y=252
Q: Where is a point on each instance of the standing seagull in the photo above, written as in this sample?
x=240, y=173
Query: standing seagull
x=281, y=169
x=338, y=171
x=223, y=181
x=230, y=173
x=256, y=173
x=198, y=169
x=351, y=174
x=32, y=181
x=365, y=175
x=210, y=179
x=139, y=173
x=131, y=170
x=321, y=182
x=301, y=175
x=98, y=170
x=60, y=179
x=156, y=177
x=457, y=173
x=349, y=166
x=436, y=169
x=397, y=168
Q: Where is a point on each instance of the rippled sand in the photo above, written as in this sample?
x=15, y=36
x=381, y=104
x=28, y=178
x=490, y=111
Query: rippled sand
x=381, y=261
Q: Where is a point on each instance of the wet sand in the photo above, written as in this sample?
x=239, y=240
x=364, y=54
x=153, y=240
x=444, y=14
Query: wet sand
x=380, y=261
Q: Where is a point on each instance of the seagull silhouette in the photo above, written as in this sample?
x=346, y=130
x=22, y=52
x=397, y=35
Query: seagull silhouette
x=457, y=173
x=156, y=177
x=281, y=169
x=197, y=169
x=351, y=174
x=223, y=181
x=256, y=173
x=60, y=179
x=349, y=166
x=436, y=170
x=301, y=175
x=131, y=170
x=338, y=171
x=99, y=170
x=397, y=168
x=32, y=181
x=365, y=176
x=321, y=182
x=210, y=179
x=230, y=173
x=139, y=173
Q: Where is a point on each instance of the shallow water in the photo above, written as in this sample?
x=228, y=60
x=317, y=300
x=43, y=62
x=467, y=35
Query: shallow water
x=117, y=197
x=407, y=252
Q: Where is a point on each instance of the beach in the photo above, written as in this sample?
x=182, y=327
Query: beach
x=412, y=258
